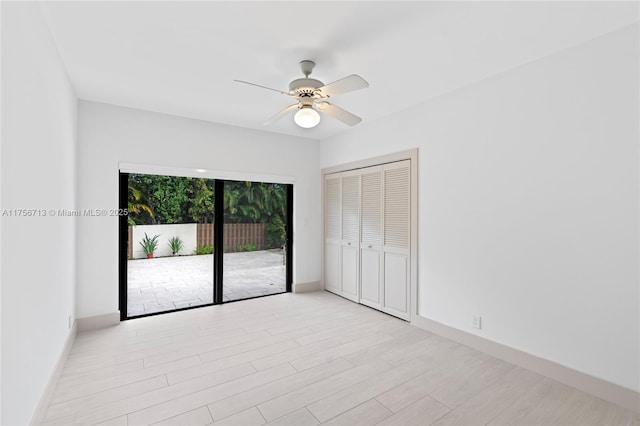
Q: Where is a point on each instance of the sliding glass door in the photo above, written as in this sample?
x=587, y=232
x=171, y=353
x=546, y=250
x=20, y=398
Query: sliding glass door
x=190, y=242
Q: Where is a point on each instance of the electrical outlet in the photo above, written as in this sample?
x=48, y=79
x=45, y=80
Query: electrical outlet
x=477, y=322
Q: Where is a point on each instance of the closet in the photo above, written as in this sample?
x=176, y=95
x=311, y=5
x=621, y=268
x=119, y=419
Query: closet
x=367, y=219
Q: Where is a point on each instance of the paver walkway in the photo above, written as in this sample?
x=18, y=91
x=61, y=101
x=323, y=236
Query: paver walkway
x=167, y=283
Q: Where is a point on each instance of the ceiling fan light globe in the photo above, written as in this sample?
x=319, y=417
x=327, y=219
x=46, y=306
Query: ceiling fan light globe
x=307, y=118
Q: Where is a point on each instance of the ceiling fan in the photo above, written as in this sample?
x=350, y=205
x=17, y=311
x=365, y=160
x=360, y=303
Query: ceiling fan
x=311, y=96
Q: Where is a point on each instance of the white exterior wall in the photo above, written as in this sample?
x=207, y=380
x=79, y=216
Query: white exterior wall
x=186, y=232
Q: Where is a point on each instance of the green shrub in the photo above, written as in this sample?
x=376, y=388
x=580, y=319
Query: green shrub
x=175, y=244
x=274, y=233
x=247, y=247
x=208, y=249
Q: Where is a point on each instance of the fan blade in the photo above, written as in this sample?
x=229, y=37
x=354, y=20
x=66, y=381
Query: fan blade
x=344, y=85
x=338, y=113
x=281, y=114
x=264, y=87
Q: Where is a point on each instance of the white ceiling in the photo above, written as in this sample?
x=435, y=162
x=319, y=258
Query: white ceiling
x=182, y=57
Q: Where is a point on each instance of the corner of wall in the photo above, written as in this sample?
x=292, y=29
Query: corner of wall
x=45, y=399
x=307, y=287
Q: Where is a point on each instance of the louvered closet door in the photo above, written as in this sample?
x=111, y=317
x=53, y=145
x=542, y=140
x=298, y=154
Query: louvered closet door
x=332, y=232
x=371, y=237
x=396, y=247
x=350, y=234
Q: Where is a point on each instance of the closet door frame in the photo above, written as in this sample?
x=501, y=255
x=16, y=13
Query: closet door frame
x=412, y=155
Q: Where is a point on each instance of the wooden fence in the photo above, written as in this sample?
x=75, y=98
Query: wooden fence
x=235, y=235
x=130, y=239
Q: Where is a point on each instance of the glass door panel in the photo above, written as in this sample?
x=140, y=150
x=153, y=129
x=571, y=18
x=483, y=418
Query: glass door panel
x=169, y=243
x=254, y=239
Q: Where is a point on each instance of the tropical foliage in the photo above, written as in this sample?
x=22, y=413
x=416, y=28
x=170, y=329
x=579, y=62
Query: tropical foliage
x=136, y=204
x=201, y=209
x=275, y=232
x=168, y=199
x=172, y=199
x=258, y=202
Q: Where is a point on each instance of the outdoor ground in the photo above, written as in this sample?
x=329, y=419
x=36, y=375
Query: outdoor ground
x=168, y=283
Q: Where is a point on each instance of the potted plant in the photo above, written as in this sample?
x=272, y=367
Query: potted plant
x=149, y=245
x=175, y=244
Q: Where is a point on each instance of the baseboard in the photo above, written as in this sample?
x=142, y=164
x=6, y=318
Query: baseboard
x=45, y=399
x=307, y=287
x=99, y=321
x=611, y=392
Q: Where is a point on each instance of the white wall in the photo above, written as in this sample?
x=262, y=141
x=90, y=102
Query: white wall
x=528, y=204
x=109, y=134
x=38, y=172
x=187, y=232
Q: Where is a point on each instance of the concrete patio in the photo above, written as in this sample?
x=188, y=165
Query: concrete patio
x=168, y=283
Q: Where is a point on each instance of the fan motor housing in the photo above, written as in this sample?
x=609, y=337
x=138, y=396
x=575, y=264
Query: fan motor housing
x=305, y=87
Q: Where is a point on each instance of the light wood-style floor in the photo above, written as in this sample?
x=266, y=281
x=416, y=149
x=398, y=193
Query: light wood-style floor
x=302, y=359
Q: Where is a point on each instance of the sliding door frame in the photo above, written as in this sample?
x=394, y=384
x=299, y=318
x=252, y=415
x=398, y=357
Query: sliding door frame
x=218, y=241
x=289, y=239
x=123, y=243
x=218, y=244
